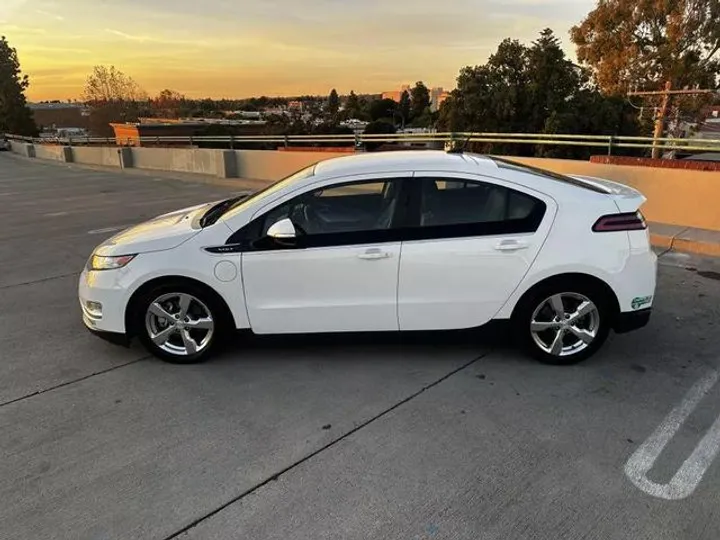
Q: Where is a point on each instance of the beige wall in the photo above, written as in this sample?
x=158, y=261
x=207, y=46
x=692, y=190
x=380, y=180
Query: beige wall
x=107, y=156
x=55, y=153
x=674, y=196
x=269, y=165
x=198, y=161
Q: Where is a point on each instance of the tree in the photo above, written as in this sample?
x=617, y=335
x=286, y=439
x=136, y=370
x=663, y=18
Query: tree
x=169, y=104
x=382, y=109
x=15, y=116
x=378, y=127
x=420, y=97
x=643, y=43
x=533, y=89
x=405, y=107
x=113, y=97
x=333, y=104
x=352, y=106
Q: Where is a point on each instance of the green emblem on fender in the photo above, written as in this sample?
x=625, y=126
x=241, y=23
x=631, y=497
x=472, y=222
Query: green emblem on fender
x=640, y=301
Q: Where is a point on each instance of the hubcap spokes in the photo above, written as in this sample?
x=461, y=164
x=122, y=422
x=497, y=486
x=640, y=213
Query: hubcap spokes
x=179, y=324
x=565, y=324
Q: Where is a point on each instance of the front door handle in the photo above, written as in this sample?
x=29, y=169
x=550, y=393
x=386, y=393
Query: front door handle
x=374, y=254
x=511, y=245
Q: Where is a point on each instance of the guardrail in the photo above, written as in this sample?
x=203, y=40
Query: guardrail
x=607, y=142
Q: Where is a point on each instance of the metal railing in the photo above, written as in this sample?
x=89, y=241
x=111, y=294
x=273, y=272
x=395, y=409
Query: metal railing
x=606, y=142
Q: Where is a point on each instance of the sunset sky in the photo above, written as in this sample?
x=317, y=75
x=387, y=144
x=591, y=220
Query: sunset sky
x=240, y=48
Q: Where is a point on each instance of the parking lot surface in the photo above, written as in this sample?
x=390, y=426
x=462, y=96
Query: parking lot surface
x=436, y=436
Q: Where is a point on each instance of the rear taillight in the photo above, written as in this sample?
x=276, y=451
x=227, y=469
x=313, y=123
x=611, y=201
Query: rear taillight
x=630, y=221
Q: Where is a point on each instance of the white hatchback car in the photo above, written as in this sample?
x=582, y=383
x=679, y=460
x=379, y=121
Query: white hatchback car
x=398, y=241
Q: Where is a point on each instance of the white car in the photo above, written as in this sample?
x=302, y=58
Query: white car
x=395, y=241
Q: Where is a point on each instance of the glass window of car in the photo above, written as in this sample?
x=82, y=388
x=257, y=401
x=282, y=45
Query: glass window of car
x=448, y=202
x=346, y=208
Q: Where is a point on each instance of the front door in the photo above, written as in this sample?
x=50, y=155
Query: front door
x=340, y=273
x=471, y=244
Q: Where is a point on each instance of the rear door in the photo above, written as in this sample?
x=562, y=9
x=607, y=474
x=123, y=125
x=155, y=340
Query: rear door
x=471, y=241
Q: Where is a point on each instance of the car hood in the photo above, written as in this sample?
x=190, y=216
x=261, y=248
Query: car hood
x=163, y=232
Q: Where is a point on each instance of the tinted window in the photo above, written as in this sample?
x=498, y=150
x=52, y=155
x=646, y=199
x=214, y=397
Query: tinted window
x=453, y=202
x=449, y=207
x=347, y=208
x=337, y=215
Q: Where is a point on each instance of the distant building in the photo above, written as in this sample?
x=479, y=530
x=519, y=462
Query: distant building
x=133, y=133
x=396, y=95
x=295, y=106
x=55, y=115
x=437, y=96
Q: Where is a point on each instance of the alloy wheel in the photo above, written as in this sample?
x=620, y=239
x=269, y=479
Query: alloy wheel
x=565, y=324
x=179, y=324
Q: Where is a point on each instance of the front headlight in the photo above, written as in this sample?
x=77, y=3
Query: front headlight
x=99, y=262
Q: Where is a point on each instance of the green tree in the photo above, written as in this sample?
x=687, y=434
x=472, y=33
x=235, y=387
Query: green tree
x=113, y=97
x=378, y=127
x=352, y=106
x=533, y=89
x=15, y=116
x=333, y=104
x=404, y=108
x=382, y=109
x=643, y=43
x=420, y=98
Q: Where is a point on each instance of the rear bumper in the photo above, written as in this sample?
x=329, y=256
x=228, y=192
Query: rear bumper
x=632, y=320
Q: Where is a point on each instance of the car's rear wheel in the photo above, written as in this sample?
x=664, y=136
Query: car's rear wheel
x=181, y=324
x=564, y=323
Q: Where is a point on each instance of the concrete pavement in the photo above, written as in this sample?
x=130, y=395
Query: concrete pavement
x=434, y=436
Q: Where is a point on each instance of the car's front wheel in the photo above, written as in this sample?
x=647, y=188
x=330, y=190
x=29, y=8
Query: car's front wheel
x=179, y=324
x=564, y=324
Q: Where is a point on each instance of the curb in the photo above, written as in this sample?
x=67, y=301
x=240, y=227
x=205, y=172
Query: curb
x=685, y=239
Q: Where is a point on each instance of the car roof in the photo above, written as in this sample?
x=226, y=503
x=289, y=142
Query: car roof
x=403, y=160
x=459, y=162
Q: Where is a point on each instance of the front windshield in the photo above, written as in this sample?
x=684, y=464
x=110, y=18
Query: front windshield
x=270, y=190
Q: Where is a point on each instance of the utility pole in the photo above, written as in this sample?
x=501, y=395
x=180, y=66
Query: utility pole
x=662, y=111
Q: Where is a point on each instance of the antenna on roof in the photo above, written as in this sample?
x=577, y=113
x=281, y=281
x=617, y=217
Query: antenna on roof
x=459, y=147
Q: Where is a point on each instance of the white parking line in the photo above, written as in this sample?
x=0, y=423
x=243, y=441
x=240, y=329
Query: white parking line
x=107, y=229
x=690, y=474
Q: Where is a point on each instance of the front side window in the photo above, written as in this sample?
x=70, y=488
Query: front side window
x=353, y=213
x=467, y=207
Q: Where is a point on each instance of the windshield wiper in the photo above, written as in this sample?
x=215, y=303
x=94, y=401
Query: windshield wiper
x=216, y=211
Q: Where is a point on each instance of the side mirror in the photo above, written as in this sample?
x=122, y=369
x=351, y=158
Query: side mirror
x=282, y=230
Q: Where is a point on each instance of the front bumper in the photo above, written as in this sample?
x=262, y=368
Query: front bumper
x=632, y=320
x=111, y=337
x=106, y=289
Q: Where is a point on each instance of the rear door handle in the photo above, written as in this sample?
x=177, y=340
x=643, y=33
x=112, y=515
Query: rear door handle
x=511, y=245
x=373, y=254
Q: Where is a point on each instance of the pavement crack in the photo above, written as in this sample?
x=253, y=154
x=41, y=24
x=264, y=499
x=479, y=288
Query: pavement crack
x=2, y=287
x=327, y=446
x=68, y=383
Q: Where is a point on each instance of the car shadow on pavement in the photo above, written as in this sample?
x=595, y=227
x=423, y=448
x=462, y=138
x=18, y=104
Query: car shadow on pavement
x=496, y=336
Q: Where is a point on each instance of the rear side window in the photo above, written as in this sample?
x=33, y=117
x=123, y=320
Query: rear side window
x=469, y=208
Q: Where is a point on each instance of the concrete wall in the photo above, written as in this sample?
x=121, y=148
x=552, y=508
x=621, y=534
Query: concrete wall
x=268, y=165
x=189, y=160
x=54, y=153
x=96, y=155
x=676, y=197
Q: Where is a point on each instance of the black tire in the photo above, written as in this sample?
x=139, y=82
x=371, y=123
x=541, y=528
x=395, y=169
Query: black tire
x=203, y=301
x=523, y=316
